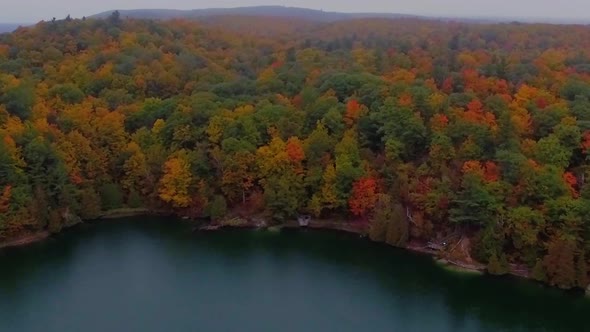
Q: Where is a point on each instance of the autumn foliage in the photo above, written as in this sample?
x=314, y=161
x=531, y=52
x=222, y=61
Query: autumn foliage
x=421, y=129
x=5, y=199
x=363, y=197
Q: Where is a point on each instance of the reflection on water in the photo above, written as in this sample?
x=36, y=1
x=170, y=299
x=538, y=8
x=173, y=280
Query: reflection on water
x=152, y=275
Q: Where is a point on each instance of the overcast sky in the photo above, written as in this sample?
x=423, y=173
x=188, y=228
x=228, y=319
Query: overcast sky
x=29, y=11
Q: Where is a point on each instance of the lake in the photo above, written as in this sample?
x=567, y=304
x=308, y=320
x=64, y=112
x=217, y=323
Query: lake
x=155, y=274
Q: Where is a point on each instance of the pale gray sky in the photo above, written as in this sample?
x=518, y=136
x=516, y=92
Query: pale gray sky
x=18, y=11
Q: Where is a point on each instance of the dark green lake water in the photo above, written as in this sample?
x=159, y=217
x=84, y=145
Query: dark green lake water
x=145, y=274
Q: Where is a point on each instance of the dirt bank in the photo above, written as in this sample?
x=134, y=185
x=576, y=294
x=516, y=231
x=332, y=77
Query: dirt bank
x=25, y=240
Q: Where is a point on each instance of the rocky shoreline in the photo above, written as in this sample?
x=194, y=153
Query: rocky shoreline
x=257, y=223
x=353, y=228
x=361, y=230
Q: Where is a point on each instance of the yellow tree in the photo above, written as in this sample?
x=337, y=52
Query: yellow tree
x=238, y=175
x=81, y=158
x=176, y=181
x=136, y=169
x=109, y=131
x=273, y=158
x=329, y=195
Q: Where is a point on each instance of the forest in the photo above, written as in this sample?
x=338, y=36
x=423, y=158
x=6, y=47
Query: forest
x=416, y=129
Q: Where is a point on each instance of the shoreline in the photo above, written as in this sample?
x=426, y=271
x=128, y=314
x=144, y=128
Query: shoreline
x=24, y=240
x=351, y=228
x=360, y=229
x=31, y=238
x=357, y=229
x=132, y=212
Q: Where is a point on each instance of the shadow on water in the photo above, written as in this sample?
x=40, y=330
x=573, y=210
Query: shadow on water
x=505, y=303
x=412, y=285
x=53, y=256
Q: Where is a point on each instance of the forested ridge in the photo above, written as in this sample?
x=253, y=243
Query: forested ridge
x=416, y=129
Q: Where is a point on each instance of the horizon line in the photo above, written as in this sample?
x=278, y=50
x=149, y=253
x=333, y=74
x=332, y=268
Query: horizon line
x=496, y=19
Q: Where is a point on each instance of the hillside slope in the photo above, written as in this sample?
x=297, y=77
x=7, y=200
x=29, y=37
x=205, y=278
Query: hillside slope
x=420, y=131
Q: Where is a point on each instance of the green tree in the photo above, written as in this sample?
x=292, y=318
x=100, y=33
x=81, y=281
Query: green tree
x=524, y=226
x=19, y=100
x=111, y=196
x=403, y=125
x=581, y=271
x=90, y=204
x=538, y=272
x=389, y=223
x=283, y=195
x=559, y=263
x=217, y=208
x=498, y=266
x=550, y=151
x=68, y=93
x=475, y=204
x=398, y=228
x=134, y=199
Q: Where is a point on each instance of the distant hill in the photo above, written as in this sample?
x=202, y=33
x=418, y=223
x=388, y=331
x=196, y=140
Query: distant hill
x=9, y=27
x=273, y=11
x=315, y=15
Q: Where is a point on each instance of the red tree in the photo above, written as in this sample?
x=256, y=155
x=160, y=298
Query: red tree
x=492, y=173
x=586, y=142
x=571, y=182
x=353, y=109
x=5, y=199
x=364, y=197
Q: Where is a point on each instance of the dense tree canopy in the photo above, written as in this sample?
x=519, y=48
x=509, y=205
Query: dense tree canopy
x=417, y=129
